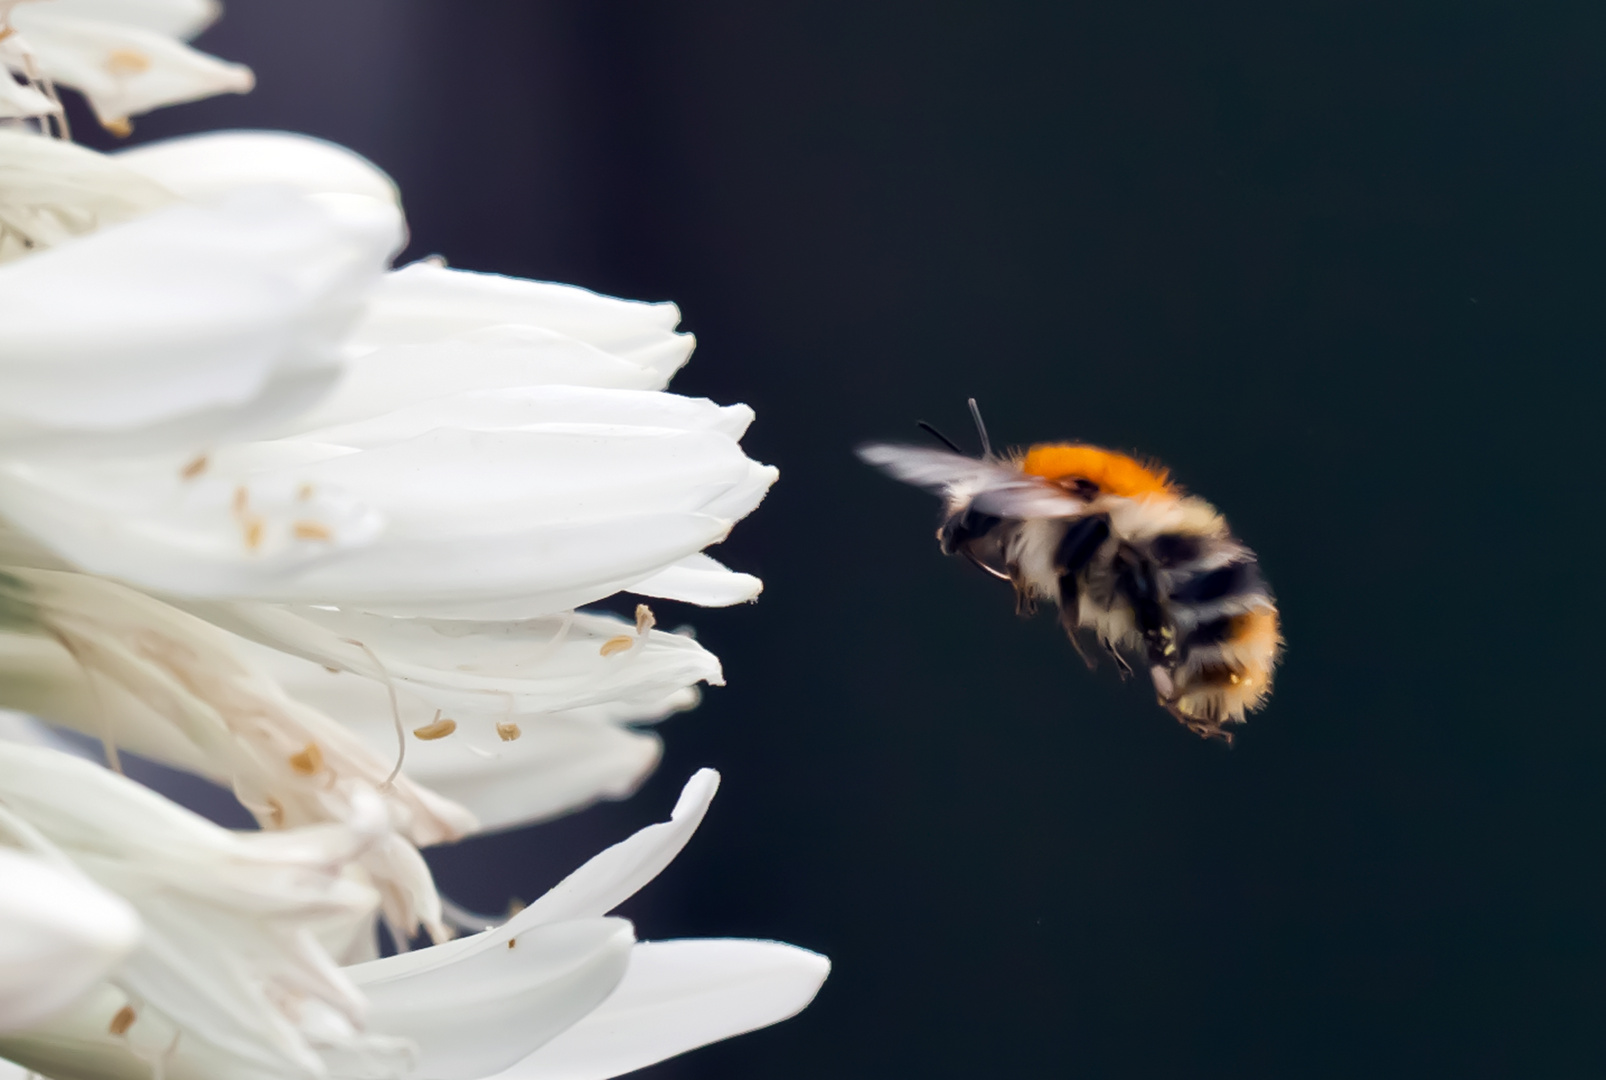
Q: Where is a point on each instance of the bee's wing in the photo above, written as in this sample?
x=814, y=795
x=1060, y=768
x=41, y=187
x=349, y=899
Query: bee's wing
x=989, y=486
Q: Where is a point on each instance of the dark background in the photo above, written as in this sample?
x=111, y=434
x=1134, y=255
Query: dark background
x=1338, y=264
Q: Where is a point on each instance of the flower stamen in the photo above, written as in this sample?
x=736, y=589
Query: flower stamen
x=308, y=762
x=507, y=732
x=122, y=1020
x=439, y=728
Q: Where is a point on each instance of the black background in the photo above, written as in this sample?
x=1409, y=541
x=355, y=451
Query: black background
x=1338, y=264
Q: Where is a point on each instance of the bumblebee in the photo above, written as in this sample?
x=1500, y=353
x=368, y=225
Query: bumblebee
x=1123, y=553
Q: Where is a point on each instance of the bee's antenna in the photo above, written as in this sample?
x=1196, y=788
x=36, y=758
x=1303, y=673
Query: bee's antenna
x=939, y=436
x=981, y=429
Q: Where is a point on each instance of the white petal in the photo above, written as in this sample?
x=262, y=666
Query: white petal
x=535, y=408
x=60, y=934
x=52, y=190
x=499, y=357
x=491, y=670
x=479, y=1004
x=698, y=579
x=123, y=70
x=207, y=166
x=426, y=302
x=613, y=876
x=174, y=18
x=675, y=997
x=184, y=313
x=17, y=100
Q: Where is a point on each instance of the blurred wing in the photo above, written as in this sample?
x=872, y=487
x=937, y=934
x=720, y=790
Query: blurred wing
x=989, y=486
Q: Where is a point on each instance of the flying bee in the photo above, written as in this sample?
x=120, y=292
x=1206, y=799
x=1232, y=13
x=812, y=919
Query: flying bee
x=1123, y=553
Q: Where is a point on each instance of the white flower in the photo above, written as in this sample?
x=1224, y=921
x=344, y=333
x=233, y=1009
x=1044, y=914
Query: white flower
x=127, y=57
x=60, y=935
x=250, y=481
x=229, y=953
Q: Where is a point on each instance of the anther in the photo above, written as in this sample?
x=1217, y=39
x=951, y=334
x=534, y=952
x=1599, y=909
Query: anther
x=304, y=492
x=617, y=644
x=253, y=532
x=196, y=467
x=309, y=762
x=242, y=499
x=119, y=127
x=511, y=942
x=122, y=1020
x=439, y=728
x=311, y=530
x=644, y=619
x=508, y=732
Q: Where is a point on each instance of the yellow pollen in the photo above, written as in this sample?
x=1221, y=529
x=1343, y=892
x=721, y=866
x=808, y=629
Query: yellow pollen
x=119, y=127
x=311, y=530
x=511, y=942
x=121, y=63
x=122, y=1021
x=5, y=32
x=438, y=729
x=508, y=732
x=309, y=762
x=617, y=644
x=304, y=492
x=242, y=499
x=644, y=619
x=253, y=532
x=195, y=468
x=276, y=812
x=1235, y=679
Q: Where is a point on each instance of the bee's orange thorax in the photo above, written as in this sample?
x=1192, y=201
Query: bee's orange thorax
x=1115, y=474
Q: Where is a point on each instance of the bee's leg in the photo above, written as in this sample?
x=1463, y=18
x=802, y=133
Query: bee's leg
x=1073, y=634
x=1120, y=661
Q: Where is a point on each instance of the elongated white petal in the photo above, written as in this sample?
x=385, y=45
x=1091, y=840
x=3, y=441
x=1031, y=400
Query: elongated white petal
x=481, y=1003
x=39, y=677
x=613, y=876
x=494, y=358
x=52, y=190
x=174, y=18
x=60, y=935
x=424, y=302
x=187, y=318
x=483, y=669
x=675, y=997
x=123, y=70
x=698, y=579
x=208, y=166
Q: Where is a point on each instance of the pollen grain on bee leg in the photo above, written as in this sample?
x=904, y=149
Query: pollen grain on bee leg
x=309, y=762
x=508, y=731
x=122, y=1020
x=616, y=644
x=438, y=728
